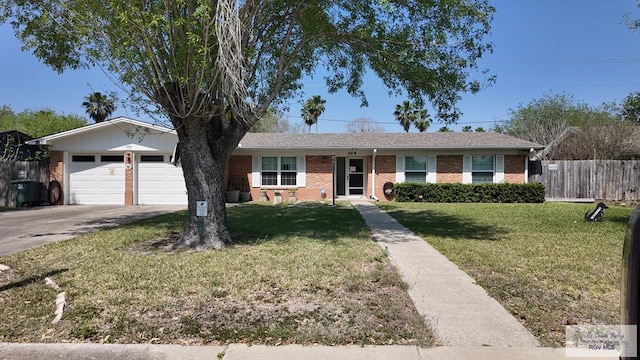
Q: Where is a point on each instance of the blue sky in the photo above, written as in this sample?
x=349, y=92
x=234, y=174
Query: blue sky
x=578, y=47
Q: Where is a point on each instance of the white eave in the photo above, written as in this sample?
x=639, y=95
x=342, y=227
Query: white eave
x=119, y=120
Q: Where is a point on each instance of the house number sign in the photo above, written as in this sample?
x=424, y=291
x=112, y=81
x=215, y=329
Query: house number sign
x=352, y=153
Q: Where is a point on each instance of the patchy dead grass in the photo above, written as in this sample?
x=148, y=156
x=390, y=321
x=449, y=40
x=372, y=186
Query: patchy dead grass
x=542, y=262
x=297, y=274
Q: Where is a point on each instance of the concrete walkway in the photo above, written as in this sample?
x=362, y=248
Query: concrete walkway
x=460, y=312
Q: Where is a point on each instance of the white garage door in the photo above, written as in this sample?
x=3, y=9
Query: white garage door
x=160, y=182
x=96, y=179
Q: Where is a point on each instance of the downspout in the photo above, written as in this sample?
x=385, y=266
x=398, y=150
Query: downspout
x=373, y=176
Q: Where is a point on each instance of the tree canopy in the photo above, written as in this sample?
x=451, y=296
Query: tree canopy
x=273, y=122
x=543, y=120
x=215, y=67
x=630, y=108
x=571, y=129
x=38, y=123
x=364, y=125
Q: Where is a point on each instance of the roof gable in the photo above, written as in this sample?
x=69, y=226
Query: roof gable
x=93, y=127
x=120, y=134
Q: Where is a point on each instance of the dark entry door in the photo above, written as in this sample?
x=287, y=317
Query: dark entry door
x=355, y=176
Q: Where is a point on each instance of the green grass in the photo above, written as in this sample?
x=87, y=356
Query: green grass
x=541, y=261
x=297, y=274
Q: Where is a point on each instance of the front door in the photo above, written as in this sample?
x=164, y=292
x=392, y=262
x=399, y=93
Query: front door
x=355, y=176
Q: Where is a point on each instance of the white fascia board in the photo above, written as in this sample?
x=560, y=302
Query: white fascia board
x=45, y=139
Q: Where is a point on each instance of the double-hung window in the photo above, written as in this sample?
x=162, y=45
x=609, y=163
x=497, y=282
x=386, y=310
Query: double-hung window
x=415, y=169
x=482, y=169
x=279, y=171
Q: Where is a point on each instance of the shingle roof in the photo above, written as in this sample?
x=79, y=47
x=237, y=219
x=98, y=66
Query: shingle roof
x=434, y=141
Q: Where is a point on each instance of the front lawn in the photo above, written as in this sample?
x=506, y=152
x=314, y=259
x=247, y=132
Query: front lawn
x=542, y=262
x=304, y=274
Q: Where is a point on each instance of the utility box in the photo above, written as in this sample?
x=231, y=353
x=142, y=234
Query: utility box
x=629, y=291
x=27, y=192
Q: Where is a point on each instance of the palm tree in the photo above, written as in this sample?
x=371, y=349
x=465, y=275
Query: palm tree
x=312, y=109
x=422, y=120
x=99, y=106
x=405, y=114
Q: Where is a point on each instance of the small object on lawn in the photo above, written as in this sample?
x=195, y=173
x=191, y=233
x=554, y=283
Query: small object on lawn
x=61, y=300
x=51, y=283
x=4, y=267
x=597, y=214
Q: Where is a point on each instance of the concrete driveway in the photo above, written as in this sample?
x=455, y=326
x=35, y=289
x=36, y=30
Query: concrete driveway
x=26, y=228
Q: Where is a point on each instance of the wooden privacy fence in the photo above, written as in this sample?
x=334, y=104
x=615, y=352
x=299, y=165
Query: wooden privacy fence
x=13, y=170
x=611, y=180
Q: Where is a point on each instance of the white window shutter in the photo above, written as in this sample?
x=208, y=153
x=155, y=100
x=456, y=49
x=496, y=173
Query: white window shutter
x=499, y=177
x=466, y=169
x=399, y=168
x=301, y=179
x=431, y=169
x=256, y=168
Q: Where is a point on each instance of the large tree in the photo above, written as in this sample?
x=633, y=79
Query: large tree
x=543, y=120
x=214, y=67
x=99, y=106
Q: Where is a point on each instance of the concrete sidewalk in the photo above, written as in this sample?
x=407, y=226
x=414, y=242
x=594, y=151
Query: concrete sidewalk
x=13, y=351
x=460, y=312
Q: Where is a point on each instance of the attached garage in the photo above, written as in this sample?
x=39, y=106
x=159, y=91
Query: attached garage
x=116, y=162
x=96, y=179
x=159, y=181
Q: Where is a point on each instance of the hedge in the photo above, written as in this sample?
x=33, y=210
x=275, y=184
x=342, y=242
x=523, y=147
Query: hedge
x=469, y=193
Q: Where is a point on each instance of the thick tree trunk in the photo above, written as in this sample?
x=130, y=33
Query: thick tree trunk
x=204, y=152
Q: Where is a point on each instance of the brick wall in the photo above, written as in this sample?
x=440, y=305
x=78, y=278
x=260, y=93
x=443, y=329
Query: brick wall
x=128, y=178
x=319, y=175
x=385, y=172
x=56, y=171
x=514, y=169
x=449, y=169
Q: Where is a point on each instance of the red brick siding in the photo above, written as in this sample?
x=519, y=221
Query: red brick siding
x=319, y=175
x=385, y=172
x=514, y=169
x=56, y=170
x=128, y=178
x=449, y=169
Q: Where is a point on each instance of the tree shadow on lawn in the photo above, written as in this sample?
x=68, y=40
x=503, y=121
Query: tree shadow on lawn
x=256, y=223
x=430, y=223
x=251, y=223
x=31, y=279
